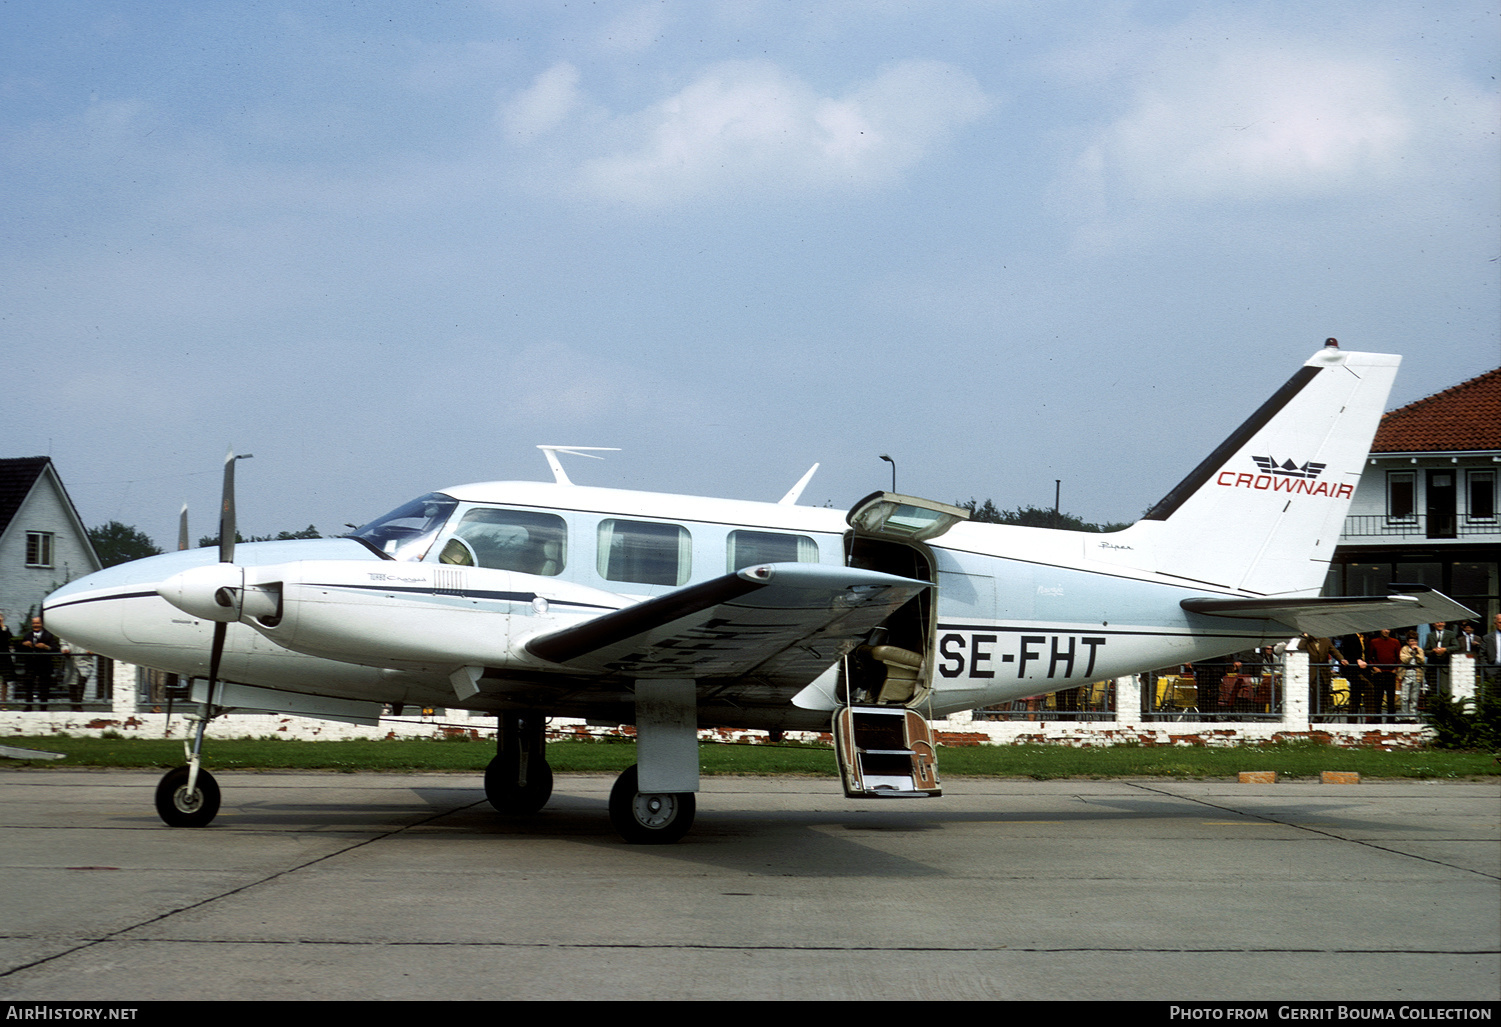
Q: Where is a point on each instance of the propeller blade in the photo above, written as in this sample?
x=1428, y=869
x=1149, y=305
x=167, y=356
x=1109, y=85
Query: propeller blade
x=227, y=508
x=214, y=655
x=226, y=525
x=182, y=529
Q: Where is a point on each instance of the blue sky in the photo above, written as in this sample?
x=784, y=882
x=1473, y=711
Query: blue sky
x=392, y=247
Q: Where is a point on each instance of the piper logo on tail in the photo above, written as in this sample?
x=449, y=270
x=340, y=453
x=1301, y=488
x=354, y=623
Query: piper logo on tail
x=1296, y=479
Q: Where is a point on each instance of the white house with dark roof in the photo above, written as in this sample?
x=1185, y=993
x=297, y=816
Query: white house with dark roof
x=43, y=542
x=1426, y=509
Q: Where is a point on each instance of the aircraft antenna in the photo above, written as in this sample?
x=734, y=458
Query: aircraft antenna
x=790, y=499
x=551, y=452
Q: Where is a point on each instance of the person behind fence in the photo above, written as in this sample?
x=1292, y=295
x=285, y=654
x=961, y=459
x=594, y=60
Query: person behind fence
x=1318, y=650
x=7, y=663
x=1467, y=643
x=1412, y=658
x=38, y=649
x=1440, y=645
x=1385, y=654
x=1352, y=656
x=1493, y=643
x=79, y=664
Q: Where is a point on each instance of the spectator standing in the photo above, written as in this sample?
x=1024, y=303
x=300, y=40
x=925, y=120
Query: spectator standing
x=76, y=673
x=1440, y=645
x=7, y=663
x=1319, y=650
x=38, y=649
x=1385, y=654
x=1413, y=659
x=1353, y=657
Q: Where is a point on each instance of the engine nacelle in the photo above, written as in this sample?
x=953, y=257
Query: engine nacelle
x=219, y=592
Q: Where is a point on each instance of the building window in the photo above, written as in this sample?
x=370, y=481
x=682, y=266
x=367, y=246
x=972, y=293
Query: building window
x=1401, y=498
x=39, y=549
x=1482, y=496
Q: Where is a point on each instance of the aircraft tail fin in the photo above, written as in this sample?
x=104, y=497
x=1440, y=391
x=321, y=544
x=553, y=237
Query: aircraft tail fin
x=1263, y=512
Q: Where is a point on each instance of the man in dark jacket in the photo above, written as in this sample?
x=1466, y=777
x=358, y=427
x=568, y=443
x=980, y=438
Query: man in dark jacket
x=1352, y=656
x=38, y=649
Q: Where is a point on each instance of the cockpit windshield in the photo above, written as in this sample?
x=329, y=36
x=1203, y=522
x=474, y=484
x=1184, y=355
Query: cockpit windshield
x=406, y=532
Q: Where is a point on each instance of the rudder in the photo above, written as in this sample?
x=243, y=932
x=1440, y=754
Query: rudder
x=1263, y=512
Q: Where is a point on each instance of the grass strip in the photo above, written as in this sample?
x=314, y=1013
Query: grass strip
x=1041, y=762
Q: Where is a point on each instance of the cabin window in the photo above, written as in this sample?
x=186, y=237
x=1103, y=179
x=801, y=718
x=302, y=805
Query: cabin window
x=644, y=552
x=525, y=541
x=1482, y=496
x=748, y=548
x=39, y=549
x=1401, y=499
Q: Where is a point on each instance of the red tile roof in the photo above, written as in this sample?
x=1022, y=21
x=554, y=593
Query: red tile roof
x=1464, y=417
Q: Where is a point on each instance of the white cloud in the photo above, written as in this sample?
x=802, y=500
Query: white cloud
x=1256, y=123
x=540, y=109
x=635, y=30
x=749, y=125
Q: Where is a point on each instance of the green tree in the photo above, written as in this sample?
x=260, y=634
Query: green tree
x=1034, y=517
x=117, y=543
x=281, y=536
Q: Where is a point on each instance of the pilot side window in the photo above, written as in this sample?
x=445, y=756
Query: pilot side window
x=644, y=552
x=509, y=540
x=406, y=532
x=748, y=548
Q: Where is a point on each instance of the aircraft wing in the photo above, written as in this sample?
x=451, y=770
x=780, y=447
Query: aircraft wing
x=774, y=620
x=1340, y=616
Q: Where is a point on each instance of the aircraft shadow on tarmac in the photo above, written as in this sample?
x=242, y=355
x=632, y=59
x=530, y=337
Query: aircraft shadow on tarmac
x=781, y=842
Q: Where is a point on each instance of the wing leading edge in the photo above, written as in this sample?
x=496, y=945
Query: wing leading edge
x=783, y=620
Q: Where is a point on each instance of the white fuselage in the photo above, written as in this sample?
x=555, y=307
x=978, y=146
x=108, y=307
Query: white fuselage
x=1017, y=611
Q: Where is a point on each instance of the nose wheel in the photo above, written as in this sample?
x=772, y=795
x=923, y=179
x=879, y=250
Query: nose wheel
x=179, y=806
x=649, y=818
x=512, y=792
x=518, y=780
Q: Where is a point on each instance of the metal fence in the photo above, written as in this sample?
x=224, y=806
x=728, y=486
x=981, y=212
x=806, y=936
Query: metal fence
x=57, y=682
x=1223, y=690
x=1377, y=693
x=1094, y=701
x=1367, y=526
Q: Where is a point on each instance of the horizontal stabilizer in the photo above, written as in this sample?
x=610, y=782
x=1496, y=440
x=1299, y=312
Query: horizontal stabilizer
x=753, y=619
x=1324, y=618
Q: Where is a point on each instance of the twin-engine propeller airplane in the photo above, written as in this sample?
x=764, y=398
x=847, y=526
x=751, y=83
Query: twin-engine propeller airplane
x=527, y=600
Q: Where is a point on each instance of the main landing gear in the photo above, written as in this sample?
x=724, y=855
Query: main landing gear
x=649, y=819
x=518, y=780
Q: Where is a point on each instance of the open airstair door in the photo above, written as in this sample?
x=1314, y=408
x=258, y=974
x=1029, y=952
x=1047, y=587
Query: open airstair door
x=883, y=743
x=885, y=753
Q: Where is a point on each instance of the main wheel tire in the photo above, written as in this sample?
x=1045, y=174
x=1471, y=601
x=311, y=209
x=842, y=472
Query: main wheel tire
x=657, y=819
x=506, y=796
x=178, y=808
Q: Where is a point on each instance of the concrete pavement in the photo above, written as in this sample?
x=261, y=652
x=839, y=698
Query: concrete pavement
x=369, y=886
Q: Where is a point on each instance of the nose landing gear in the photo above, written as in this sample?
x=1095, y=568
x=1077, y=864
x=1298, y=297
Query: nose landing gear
x=180, y=805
